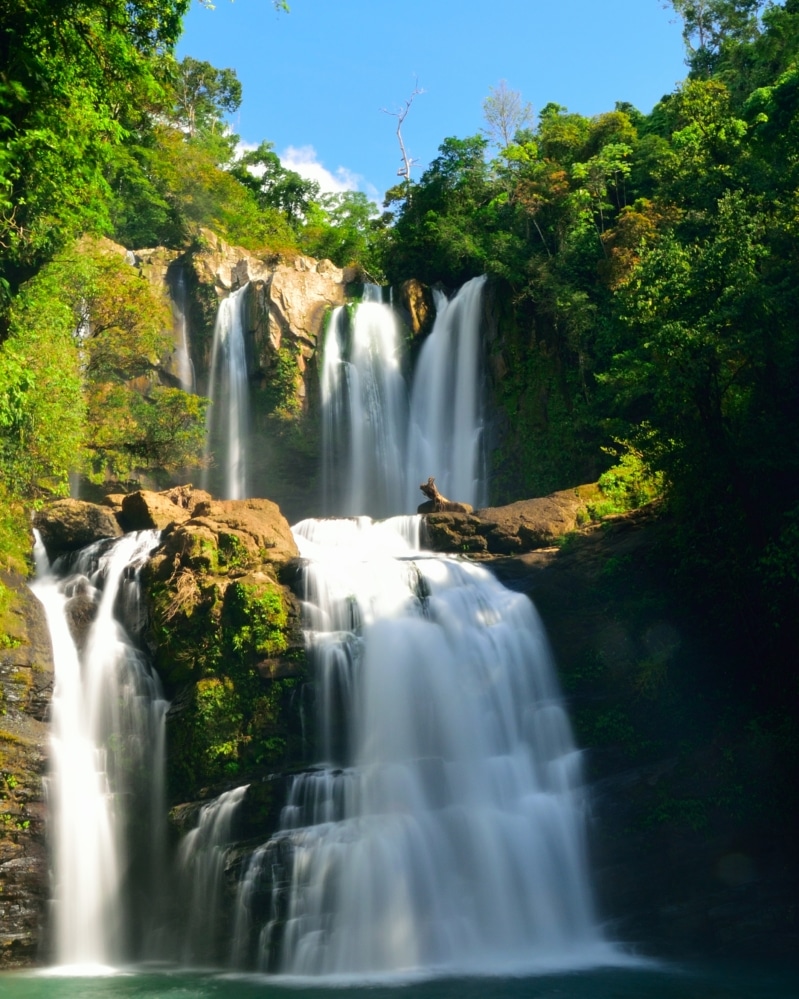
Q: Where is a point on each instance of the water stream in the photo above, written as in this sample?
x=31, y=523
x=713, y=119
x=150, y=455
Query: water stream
x=185, y=367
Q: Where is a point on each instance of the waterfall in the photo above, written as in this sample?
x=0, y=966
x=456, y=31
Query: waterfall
x=376, y=448
x=106, y=787
x=444, y=825
x=445, y=438
x=185, y=368
x=364, y=410
x=227, y=426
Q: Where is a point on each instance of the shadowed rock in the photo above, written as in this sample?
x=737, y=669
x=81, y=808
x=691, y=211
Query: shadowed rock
x=66, y=525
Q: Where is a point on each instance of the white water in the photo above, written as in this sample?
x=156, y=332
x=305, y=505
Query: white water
x=444, y=826
x=185, y=368
x=107, y=749
x=227, y=424
x=378, y=448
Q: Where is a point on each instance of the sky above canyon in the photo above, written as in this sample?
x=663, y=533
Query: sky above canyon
x=321, y=83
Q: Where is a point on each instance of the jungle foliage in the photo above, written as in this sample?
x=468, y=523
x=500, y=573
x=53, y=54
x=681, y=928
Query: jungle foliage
x=649, y=262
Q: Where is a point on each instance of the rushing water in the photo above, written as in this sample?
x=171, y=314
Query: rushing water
x=228, y=419
x=107, y=754
x=382, y=439
x=364, y=412
x=444, y=825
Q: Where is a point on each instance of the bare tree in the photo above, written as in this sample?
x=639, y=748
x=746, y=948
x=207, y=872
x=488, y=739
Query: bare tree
x=505, y=113
x=408, y=163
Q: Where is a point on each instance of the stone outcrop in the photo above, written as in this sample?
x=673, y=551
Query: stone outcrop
x=288, y=303
x=68, y=524
x=26, y=684
x=508, y=530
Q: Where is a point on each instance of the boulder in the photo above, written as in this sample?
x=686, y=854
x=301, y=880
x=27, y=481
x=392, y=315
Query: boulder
x=145, y=510
x=540, y=522
x=227, y=642
x=66, y=525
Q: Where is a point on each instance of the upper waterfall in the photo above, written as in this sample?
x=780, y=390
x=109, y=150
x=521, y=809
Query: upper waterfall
x=364, y=411
x=381, y=438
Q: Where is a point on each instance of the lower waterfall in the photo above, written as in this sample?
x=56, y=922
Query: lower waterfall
x=444, y=827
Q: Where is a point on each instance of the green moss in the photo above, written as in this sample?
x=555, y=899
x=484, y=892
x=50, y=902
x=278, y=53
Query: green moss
x=187, y=635
x=232, y=553
x=255, y=618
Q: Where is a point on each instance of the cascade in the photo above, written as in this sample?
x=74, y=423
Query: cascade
x=376, y=447
x=183, y=354
x=443, y=827
x=107, y=755
x=364, y=410
x=201, y=870
x=227, y=425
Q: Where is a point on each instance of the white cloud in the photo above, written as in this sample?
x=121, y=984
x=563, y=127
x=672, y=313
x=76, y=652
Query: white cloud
x=303, y=160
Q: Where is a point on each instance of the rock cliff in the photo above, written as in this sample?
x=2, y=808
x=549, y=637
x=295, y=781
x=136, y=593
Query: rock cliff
x=26, y=683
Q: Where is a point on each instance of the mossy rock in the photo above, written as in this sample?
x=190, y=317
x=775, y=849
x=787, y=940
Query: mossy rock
x=227, y=642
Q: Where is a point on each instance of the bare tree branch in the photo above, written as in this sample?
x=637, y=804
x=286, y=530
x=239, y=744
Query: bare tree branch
x=408, y=163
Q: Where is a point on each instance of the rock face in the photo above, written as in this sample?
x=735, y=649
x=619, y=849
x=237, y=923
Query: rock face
x=26, y=684
x=67, y=525
x=416, y=301
x=286, y=306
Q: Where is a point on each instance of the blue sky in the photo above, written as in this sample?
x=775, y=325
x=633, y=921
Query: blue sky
x=316, y=80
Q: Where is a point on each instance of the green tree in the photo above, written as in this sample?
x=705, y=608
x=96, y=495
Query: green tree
x=70, y=73
x=203, y=94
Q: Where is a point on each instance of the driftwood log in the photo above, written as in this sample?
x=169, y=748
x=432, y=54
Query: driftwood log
x=436, y=503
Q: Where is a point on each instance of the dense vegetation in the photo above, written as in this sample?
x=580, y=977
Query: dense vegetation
x=644, y=268
x=651, y=265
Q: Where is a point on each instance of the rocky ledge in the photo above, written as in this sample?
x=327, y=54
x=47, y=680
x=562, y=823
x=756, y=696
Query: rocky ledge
x=508, y=530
